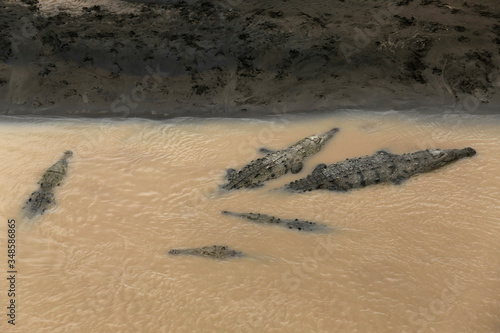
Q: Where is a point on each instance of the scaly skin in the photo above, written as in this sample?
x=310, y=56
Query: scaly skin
x=55, y=174
x=38, y=203
x=43, y=199
x=278, y=163
x=296, y=224
x=214, y=251
x=382, y=167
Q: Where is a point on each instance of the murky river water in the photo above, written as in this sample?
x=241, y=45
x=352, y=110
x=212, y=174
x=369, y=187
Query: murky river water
x=423, y=256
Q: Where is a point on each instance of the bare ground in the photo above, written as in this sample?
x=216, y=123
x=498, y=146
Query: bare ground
x=162, y=59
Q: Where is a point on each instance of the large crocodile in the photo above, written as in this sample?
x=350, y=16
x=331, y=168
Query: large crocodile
x=277, y=163
x=296, y=224
x=212, y=251
x=43, y=199
x=382, y=167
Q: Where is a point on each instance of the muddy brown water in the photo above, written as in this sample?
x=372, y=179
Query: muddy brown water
x=420, y=257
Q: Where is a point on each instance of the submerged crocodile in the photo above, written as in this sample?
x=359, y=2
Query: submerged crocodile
x=38, y=203
x=43, y=199
x=296, y=224
x=277, y=163
x=382, y=167
x=212, y=251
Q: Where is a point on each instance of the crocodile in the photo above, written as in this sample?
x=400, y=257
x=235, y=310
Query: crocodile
x=296, y=224
x=381, y=167
x=212, y=251
x=43, y=198
x=38, y=203
x=55, y=174
x=277, y=163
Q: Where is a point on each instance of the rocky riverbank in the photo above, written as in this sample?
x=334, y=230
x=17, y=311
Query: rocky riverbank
x=161, y=59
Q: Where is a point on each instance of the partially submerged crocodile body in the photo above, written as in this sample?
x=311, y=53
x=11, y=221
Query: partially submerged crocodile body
x=43, y=199
x=296, y=224
x=55, y=174
x=212, y=251
x=277, y=163
x=382, y=167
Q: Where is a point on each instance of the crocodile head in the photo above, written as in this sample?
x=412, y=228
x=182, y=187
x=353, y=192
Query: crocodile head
x=314, y=143
x=441, y=157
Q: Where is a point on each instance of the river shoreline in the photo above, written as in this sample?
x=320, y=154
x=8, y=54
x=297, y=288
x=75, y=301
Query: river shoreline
x=167, y=59
x=159, y=112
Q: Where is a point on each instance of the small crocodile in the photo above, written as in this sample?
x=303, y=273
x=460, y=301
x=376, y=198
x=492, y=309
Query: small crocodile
x=296, y=224
x=43, y=199
x=212, y=251
x=382, y=167
x=277, y=163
